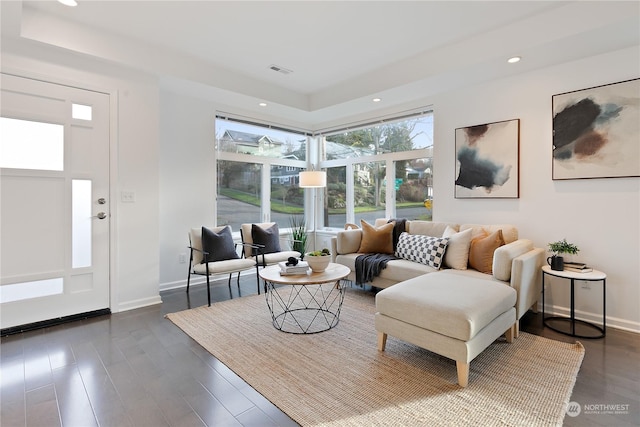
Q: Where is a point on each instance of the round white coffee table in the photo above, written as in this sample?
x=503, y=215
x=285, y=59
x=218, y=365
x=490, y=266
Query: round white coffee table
x=305, y=304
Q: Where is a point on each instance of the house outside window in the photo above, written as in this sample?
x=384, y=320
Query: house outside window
x=257, y=173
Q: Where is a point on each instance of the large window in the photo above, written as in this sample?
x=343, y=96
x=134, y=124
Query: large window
x=257, y=173
x=384, y=170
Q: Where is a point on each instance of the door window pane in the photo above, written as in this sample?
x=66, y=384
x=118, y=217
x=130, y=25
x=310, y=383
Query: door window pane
x=81, y=223
x=28, y=290
x=26, y=144
x=239, y=190
x=81, y=112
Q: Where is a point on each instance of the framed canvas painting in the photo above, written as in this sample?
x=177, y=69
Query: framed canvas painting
x=487, y=160
x=596, y=132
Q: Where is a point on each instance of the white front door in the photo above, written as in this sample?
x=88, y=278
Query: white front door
x=54, y=201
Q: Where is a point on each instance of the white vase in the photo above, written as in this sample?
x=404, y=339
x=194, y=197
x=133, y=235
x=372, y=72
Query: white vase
x=318, y=264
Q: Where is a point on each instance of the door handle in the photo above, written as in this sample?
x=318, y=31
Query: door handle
x=101, y=215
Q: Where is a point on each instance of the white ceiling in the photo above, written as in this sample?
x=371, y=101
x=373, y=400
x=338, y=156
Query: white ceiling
x=342, y=54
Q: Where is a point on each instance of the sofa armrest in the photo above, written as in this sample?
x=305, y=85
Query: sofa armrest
x=525, y=279
x=503, y=257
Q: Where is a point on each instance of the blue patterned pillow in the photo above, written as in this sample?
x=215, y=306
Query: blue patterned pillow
x=423, y=249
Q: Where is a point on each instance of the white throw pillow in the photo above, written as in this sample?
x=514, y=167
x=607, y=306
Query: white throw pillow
x=457, y=255
x=423, y=249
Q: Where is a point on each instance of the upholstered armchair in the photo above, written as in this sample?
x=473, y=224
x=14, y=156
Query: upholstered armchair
x=213, y=252
x=262, y=244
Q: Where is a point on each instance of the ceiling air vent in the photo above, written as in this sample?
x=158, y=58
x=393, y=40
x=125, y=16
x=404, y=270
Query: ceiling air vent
x=279, y=69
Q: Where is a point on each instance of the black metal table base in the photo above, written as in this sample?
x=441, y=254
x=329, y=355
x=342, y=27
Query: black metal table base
x=572, y=327
x=305, y=309
x=571, y=320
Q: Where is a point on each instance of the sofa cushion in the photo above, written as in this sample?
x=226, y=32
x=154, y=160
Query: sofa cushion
x=397, y=270
x=401, y=269
x=445, y=304
x=376, y=239
x=423, y=249
x=482, y=249
x=457, y=255
x=429, y=228
x=504, y=255
x=509, y=232
x=348, y=241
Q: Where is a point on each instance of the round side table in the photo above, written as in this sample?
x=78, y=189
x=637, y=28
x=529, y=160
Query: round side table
x=592, y=276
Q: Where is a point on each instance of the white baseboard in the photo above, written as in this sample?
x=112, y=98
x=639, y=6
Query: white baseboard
x=139, y=303
x=596, y=319
x=198, y=280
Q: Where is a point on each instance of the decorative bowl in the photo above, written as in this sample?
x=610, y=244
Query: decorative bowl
x=318, y=264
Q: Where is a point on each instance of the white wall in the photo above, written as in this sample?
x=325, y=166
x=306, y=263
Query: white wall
x=134, y=160
x=601, y=216
x=187, y=172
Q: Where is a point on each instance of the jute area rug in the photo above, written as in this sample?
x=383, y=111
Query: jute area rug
x=339, y=378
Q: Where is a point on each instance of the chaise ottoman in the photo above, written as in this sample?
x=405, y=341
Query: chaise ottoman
x=456, y=317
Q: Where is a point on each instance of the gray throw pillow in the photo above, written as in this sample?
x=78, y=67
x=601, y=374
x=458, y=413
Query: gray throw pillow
x=268, y=237
x=219, y=245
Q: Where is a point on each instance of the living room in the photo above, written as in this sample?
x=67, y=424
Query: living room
x=163, y=132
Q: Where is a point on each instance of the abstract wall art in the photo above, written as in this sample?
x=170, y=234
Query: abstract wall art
x=487, y=160
x=596, y=132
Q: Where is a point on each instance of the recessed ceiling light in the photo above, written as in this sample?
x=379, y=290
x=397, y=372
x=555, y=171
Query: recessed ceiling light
x=263, y=104
x=71, y=3
x=376, y=99
x=514, y=59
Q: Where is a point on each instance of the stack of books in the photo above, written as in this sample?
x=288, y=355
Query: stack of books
x=302, y=267
x=577, y=267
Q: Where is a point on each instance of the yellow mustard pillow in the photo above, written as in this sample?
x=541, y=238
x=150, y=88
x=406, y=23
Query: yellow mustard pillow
x=482, y=249
x=376, y=240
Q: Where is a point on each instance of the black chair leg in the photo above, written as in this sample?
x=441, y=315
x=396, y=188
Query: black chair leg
x=258, y=276
x=238, y=280
x=208, y=291
x=188, y=277
x=230, y=275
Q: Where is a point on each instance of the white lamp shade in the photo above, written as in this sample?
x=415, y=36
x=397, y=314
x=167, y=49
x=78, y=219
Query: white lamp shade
x=310, y=179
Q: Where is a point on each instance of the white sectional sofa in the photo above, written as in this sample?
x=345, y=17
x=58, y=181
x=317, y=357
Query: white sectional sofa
x=516, y=263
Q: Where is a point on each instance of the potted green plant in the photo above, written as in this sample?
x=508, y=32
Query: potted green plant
x=560, y=247
x=298, y=234
x=319, y=260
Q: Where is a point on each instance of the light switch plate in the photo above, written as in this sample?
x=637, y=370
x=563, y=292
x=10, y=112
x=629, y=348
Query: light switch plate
x=128, y=196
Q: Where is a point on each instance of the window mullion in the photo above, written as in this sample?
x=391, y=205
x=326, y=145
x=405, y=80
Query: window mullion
x=350, y=196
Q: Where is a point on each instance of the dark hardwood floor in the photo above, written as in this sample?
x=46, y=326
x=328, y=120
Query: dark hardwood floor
x=137, y=369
